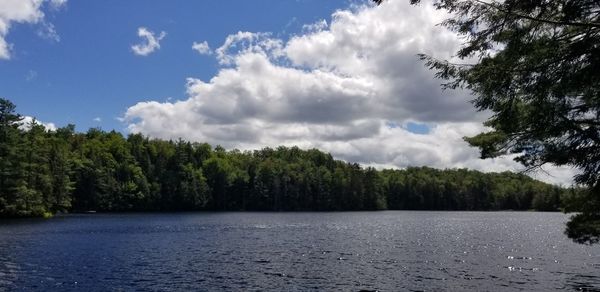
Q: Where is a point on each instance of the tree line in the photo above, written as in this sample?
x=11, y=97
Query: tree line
x=44, y=172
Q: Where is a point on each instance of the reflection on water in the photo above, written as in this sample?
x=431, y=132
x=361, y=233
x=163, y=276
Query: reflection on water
x=386, y=251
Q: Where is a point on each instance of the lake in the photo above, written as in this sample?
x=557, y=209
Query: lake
x=345, y=251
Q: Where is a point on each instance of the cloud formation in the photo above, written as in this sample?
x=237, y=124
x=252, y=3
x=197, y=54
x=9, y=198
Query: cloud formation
x=339, y=86
x=23, y=11
x=202, y=48
x=47, y=31
x=150, y=42
x=58, y=4
x=25, y=124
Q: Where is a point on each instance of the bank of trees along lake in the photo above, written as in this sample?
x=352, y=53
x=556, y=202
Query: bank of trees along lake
x=44, y=172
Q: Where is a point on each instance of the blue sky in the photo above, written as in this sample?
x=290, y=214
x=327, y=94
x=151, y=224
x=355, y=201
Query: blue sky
x=92, y=73
x=338, y=75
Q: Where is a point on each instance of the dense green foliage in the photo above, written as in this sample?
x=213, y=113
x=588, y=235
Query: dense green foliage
x=536, y=66
x=59, y=171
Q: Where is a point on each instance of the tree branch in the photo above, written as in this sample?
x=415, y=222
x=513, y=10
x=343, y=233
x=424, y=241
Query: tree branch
x=580, y=24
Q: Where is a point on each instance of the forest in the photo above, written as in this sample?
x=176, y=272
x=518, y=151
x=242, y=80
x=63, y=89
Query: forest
x=47, y=172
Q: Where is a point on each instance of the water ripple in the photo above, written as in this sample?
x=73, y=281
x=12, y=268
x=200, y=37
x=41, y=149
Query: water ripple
x=350, y=251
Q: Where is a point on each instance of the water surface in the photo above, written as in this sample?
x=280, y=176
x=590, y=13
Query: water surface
x=347, y=251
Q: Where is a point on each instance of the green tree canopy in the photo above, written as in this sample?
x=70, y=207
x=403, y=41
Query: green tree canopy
x=44, y=172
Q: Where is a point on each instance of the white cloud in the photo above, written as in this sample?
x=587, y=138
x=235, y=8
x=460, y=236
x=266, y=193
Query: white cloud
x=337, y=87
x=20, y=11
x=47, y=31
x=245, y=42
x=58, y=4
x=24, y=11
x=202, y=48
x=150, y=43
x=97, y=119
x=27, y=120
x=315, y=27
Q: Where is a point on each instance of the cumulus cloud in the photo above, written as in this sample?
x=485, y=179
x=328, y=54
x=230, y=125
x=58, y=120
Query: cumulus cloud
x=339, y=86
x=315, y=27
x=150, y=42
x=20, y=11
x=27, y=121
x=202, y=48
x=244, y=42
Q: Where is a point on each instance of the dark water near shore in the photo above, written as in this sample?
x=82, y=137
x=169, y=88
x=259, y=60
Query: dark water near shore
x=386, y=251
